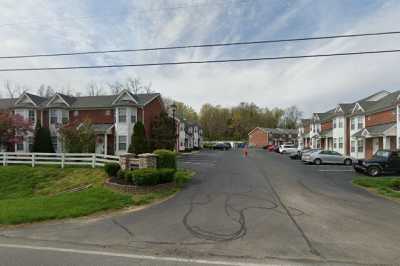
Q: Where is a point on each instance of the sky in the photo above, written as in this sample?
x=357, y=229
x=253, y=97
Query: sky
x=314, y=85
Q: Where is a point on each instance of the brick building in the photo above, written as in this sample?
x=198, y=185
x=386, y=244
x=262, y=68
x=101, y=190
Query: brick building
x=112, y=116
x=360, y=128
x=260, y=137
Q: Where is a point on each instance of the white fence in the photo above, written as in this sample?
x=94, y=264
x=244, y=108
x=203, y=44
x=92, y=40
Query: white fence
x=62, y=159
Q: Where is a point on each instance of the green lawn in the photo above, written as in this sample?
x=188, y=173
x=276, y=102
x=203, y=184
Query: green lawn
x=42, y=193
x=386, y=186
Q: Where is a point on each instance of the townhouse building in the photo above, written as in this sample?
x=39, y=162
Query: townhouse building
x=112, y=116
x=358, y=129
x=260, y=137
x=189, y=137
x=303, y=135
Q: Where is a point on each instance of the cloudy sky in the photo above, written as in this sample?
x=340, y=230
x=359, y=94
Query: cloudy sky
x=46, y=26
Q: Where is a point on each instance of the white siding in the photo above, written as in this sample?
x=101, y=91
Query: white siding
x=338, y=133
x=124, y=128
x=356, y=151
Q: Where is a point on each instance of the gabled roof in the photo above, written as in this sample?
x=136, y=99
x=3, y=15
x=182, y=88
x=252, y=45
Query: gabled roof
x=376, y=131
x=387, y=102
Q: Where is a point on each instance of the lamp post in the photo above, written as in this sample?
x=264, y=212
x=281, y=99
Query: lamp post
x=173, y=108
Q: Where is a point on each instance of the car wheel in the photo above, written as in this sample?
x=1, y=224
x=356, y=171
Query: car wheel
x=374, y=171
x=348, y=162
x=317, y=161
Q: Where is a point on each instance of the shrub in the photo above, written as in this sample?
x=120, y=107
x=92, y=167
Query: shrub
x=166, y=159
x=166, y=175
x=182, y=177
x=42, y=140
x=139, y=143
x=121, y=174
x=112, y=169
x=129, y=176
x=146, y=177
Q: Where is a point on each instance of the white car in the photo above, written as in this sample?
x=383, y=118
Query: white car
x=287, y=148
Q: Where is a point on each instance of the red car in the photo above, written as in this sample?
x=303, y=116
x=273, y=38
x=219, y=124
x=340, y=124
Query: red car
x=271, y=147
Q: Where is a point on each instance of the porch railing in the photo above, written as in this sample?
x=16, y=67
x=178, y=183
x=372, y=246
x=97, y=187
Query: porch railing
x=62, y=159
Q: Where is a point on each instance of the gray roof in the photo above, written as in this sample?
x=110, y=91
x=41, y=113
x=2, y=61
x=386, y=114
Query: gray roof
x=377, y=130
x=280, y=130
x=104, y=101
x=386, y=102
x=102, y=128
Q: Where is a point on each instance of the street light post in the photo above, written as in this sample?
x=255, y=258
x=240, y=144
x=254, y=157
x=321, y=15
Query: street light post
x=173, y=108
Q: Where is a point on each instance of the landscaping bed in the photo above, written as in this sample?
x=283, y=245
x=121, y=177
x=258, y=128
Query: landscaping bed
x=48, y=192
x=385, y=186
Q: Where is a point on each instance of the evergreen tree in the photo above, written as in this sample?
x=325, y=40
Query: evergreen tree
x=42, y=140
x=163, y=133
x=139, y=142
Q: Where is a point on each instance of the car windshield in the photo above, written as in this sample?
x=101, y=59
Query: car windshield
x=382, y=154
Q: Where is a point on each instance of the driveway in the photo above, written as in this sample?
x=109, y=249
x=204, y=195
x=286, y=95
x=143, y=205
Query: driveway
x=264, y=208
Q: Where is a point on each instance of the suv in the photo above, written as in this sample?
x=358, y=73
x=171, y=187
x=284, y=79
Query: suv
x=287, y=148
x=383, y=161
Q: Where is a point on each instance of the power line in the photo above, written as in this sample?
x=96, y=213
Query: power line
x=201, y=45
x=201, y=62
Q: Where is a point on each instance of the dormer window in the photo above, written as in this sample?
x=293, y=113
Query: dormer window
x=122, y=115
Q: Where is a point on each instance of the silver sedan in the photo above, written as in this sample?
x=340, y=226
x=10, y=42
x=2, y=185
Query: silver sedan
x=328, y=157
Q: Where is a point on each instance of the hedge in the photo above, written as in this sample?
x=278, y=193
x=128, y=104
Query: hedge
x=166, y=175
x=166, y=159
x=112, y=169
x=146, y=177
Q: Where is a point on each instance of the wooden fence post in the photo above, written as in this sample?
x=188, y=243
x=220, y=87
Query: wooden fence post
x=93, y=160
x=62, y=160
x=5, y=159
x=33, y=160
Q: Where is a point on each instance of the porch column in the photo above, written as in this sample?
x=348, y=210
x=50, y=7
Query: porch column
x=384, y=142
x=105, y=144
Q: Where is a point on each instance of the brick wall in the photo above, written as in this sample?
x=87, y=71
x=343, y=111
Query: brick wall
x=385, y=117
x=326, y=125
x=151, y=111
x=258, y=138
x=98, y=116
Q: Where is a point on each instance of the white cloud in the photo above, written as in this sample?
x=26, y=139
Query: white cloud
x=312, y=84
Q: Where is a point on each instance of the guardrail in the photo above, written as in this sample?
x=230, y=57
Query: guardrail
x=62, y=159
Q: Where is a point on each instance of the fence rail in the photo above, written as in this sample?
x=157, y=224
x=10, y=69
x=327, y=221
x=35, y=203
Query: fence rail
x=62, y=159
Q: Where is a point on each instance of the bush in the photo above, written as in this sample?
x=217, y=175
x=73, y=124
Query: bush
x=182, y=177
x=166, y=159
x=129, y=177
x=146, y=177
x=121, y=174
x=139, y=143
x=112, y=169
x=166, y=175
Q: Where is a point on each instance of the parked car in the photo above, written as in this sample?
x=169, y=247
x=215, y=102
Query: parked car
x=287, y=148
x=294, y=156
x=271, y=147
x=328, y=157
x=382, y=162
x=228, y=145
x=221, y=146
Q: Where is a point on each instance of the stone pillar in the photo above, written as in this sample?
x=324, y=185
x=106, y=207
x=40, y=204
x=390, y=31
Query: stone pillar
x=124, y=160
x=147, y=160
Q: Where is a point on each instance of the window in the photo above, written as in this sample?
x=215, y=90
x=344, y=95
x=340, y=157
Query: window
x=30, y=143
x=335, y=143
x=360, y=123
x=122, y=143
x=64, y=114
x=340, y=142
x=20, y=143
x=353, y=146
x=54, y=142
x=76, y=113
x=360, y=145
x=53, y=116
x=334, y=123
x=133, y=118
x=353, y=123
x=121, y=115
x=340, y=123
x=31, y=116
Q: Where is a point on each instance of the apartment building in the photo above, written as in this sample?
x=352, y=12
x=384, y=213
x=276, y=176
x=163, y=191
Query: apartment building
x=260, y=137
x=303, y=135
x=360, y=128
x=113, y=116
x=189, y=137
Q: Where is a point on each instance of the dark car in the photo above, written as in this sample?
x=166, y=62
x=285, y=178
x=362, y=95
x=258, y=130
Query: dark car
x=228, y=145
x=295, y=156
x=383, y=161
x=221, y=146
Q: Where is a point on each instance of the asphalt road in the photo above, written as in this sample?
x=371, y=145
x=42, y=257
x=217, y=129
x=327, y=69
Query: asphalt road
x=263, y=209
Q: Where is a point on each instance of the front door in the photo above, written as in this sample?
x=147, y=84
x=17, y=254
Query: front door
x=375, y=145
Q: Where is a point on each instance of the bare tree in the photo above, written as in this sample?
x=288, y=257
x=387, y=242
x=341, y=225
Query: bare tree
x=13, y=90
x=94, y=89
x=116, y=87
x=134, y=85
